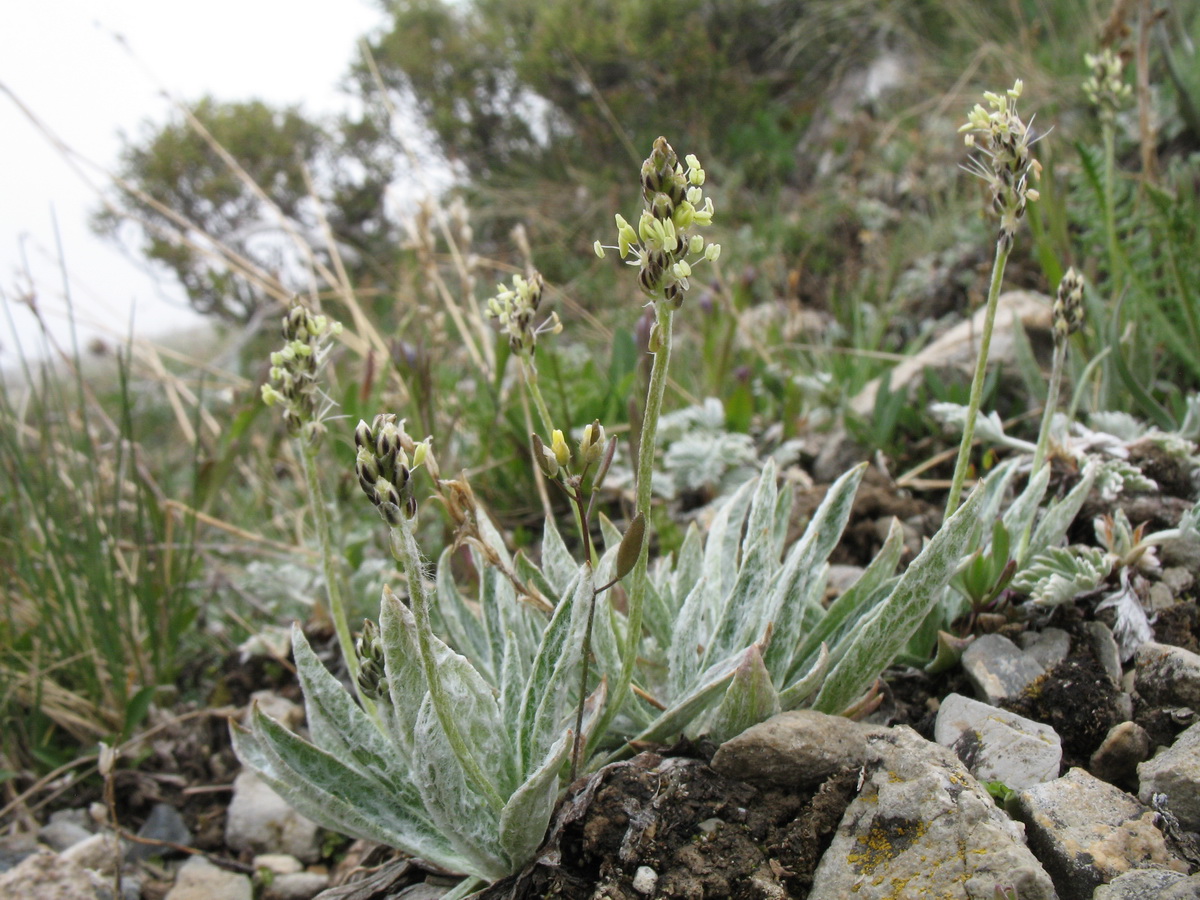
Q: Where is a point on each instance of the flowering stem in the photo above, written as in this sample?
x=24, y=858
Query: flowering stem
x=968, y=437
x=333, y=583
x=645, y=475
x=408, y=554
x=529, y=370
x=1056, y=372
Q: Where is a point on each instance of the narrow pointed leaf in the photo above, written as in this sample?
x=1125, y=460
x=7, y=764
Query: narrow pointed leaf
x=525, y=817
x=750, y=698
x=463, y=630
x=793, y=595
x=796, y=693
x=557, y=563
x=879, y=639
x=467, y=819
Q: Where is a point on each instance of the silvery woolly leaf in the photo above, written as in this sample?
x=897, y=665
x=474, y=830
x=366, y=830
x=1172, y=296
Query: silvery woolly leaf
x=852, y=605
x=750, y=698
x=792, y=598
x=554, y=674
x=879, y=639
x=557, y=562
x=525, y=817
x=463, y=689
x=336, y=797
x=1060, y=574
x=1058, y=518
x=340, y=727
x=799, y=691
x=462, y=629
x=1023, y=509
x=1132, y=628
x=469, y=821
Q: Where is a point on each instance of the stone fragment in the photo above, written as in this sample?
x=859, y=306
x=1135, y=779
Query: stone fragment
x=1087, y=832
x=795, y=749
x=260, y=821
x=998, y=668
x=1142, y=884
x=996, y=745
x=198, y=879
x=1188, y=889
x=1049, y=646
x=100, y=852
x=44, y=876
x=278, y=863
x=296, y=886
x=1116, y=759
x=1175, y=772
x=1168, y=675
x=1105, y=648
x=163, y=824
x=61, y=834
x=921, y=825
x=645, y=880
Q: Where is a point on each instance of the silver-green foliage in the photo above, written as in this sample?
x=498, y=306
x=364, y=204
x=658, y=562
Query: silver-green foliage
x=398, y=777
x=736, y=631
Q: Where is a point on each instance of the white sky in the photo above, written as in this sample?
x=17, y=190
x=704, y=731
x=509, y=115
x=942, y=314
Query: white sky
x=61, y=59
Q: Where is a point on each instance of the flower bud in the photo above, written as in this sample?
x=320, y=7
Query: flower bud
x=562, y=453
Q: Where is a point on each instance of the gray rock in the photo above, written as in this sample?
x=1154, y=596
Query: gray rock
x=1116, y=759
x=998, y=668
x=278, y=863
x=163, y=824
x=1188, y=889
x=1104, y=646
x=1143, y=884
x=996, y=745
x=198, y=879
x=795, y=749
x=63, y=833
x=1168, y=675
x=1049, y=646
x=1176, y=772
x=1087, y=832
x=260, y=821
x=1178, y=579
x=14, y=848
x=923, y=826
x=44, y=876
x=100, y=852
x=296, y=886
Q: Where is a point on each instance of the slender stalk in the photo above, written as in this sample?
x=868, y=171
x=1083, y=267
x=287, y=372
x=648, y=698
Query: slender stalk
x=1056, y=372
x=529, y=370
x=968, y=437
x=329, y=564
x=408, y=554
x=645, y=475
x=577, y=748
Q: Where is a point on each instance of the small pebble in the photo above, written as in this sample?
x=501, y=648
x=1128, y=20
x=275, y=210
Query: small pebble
x=645, y=880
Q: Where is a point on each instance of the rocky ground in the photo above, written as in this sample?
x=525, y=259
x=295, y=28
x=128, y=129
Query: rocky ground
x=1041, y=762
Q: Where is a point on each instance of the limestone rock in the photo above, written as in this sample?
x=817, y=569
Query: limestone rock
x=260, y=821
x=1168, y=675
x=1176, y=773
x=198, y=879
x=296, y=886
x=795, y=749
x=1087, y=832
x=100, y=852
x=44, y=876
x=1116, y=759
x=1142, y=884
x=923, y=826
x=996, y=745
x=998, y=668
